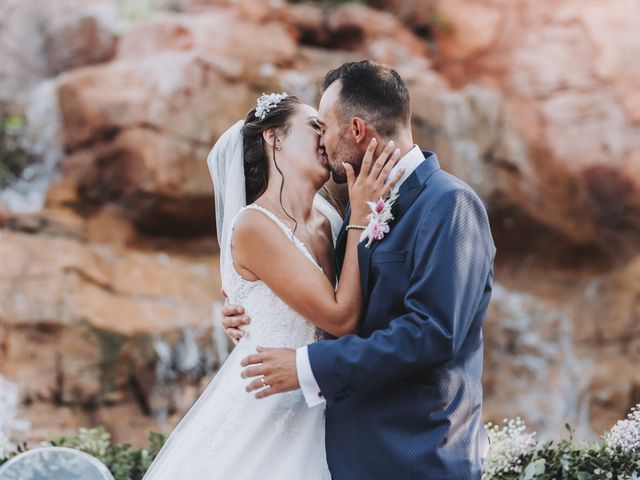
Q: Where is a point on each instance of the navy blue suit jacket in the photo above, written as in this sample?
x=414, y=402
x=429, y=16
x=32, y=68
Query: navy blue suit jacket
x=404, y=394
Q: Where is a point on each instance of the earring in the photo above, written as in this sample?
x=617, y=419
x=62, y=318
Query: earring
x=278, y=147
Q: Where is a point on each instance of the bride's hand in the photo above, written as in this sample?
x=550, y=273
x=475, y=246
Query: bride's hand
x=370, y=185
x=233, y=318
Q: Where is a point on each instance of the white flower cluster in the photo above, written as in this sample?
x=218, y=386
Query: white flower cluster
x=267, y=102
x=508, y=444
x=626, y=433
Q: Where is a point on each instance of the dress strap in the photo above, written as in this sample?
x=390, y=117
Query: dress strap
x=300, y=245
x=273, y=217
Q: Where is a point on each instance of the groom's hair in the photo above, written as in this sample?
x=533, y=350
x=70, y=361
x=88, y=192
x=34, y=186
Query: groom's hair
x=374, y=92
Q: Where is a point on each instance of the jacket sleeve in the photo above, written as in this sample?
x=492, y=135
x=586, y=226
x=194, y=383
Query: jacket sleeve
x=452, y=263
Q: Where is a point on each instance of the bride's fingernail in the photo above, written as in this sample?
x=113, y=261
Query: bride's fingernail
x=374, y=140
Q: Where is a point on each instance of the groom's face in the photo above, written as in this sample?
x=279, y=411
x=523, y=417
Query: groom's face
x=336, y=139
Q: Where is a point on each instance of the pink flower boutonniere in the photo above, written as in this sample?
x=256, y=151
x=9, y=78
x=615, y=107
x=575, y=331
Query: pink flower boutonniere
x=379, y=219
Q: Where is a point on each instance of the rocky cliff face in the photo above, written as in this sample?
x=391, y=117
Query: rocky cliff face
x=572, y=91
x=107, y=293
x=566, y=208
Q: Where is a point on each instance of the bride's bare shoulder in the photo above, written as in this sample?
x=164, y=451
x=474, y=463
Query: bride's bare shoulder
x=255, y=229
x=254, y=233
x=252, y=222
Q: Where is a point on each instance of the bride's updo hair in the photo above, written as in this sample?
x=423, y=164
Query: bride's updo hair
x=256, y=161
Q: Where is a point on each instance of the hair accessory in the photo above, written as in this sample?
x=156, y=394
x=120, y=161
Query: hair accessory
x=267, y=102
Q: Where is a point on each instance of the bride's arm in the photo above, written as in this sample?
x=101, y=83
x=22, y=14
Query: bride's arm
x=260, y=247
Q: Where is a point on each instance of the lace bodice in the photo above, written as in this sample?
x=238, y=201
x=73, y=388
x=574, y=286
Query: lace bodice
x=273, y=322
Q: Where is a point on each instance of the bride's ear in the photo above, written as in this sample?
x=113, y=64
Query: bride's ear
x=269, y=137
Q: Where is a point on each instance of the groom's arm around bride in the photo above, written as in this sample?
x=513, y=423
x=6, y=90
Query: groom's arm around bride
x=450, y=273
x=450, y=270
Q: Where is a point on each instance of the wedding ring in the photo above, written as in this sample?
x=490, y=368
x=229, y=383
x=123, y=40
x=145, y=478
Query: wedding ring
x=264, y=384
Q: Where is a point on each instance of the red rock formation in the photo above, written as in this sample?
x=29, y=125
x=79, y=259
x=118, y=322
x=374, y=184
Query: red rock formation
x=104, y=291
x=41, y=39
x=571, y=89
x=84, y=324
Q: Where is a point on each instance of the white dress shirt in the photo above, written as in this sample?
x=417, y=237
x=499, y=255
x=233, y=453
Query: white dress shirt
x=308, y=384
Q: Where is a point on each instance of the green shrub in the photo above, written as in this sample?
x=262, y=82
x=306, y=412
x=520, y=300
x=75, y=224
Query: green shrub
x=514, y=454
x=14, y=155
x=567, y=461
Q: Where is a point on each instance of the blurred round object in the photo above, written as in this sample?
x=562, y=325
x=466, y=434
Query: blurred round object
x=54, y=463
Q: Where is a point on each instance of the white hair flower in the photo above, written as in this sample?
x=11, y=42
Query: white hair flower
x=267, y=102
x=625, y=434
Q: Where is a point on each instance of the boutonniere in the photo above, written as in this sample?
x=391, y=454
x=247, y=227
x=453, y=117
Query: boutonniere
x=379, y=219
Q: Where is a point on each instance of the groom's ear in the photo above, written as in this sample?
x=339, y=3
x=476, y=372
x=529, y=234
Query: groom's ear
x=358, y=129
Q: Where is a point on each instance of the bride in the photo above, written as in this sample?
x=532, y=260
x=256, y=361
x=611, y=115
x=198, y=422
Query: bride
x=276, y=256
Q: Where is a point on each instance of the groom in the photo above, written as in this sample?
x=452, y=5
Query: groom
x=403, y=395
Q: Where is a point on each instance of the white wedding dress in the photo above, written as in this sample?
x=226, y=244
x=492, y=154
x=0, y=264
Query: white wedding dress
x=230, y=435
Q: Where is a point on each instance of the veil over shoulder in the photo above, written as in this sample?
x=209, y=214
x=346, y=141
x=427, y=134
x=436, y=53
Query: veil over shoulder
x=226, y=166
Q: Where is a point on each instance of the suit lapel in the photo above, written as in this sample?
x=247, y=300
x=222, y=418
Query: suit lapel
x=407, y=194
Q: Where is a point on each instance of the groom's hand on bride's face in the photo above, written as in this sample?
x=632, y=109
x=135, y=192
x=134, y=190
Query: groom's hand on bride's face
x=275, y=369
x=233, y=318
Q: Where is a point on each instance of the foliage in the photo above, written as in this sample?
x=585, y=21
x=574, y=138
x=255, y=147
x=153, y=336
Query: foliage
x=438, y=23
x=123, y=460
x=134, y=11
x=14, y=154
x=569, y=461
x=8, y=450
x=514, y=454
x=566, y=460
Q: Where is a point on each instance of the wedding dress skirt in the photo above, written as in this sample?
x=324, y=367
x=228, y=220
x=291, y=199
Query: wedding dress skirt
x=230, y=435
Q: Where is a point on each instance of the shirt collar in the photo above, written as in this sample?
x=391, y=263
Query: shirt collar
x=409, y=162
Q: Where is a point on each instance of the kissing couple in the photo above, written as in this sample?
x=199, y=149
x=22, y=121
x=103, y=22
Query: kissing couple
x=359, y=344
